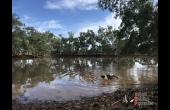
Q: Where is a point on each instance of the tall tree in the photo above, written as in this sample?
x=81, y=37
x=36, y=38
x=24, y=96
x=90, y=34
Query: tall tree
x=76, y=45
x=82, y=39
x=71, y=37
x=16, y=34
x=91, y=41
x=138, y=29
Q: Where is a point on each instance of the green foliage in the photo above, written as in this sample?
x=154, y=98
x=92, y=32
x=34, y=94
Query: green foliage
x=138, y=32
x=27, y=40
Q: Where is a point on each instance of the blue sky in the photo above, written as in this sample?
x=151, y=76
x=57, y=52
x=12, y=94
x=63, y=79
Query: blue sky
x=61, y=16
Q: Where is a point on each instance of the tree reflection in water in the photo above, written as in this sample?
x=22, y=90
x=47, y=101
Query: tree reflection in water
x=83, y=70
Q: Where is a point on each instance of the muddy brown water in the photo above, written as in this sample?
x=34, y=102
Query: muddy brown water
x=62, y=79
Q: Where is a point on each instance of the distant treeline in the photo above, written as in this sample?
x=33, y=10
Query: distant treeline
x=29, y=41
x=137, y=34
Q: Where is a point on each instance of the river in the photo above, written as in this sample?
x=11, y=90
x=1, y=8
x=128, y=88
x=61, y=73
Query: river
x=69, y=78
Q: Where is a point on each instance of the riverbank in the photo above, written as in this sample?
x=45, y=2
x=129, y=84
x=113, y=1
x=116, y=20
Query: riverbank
x=147, y=100
x=29, y=57
x=48, y=56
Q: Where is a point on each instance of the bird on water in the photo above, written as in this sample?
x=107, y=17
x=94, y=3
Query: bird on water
x=108, y=76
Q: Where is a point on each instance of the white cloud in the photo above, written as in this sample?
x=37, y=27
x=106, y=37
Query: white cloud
x=14, y=8
x=47, y=25
x=56, y=27
x=51, y=24
x=71, y=4
x=108, y=20
x=43, y=26
x=27, y=17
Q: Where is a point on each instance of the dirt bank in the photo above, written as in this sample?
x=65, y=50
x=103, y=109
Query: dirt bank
x=48, y=56
x=29, y=57
x=105, y=101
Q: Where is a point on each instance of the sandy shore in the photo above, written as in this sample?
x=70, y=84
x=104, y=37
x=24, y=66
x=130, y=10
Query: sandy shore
x=105, y=101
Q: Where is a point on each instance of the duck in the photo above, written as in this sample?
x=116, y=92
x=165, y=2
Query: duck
x=108, y=76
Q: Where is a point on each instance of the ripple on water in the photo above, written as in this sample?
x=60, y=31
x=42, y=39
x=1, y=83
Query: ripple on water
x=69, y=81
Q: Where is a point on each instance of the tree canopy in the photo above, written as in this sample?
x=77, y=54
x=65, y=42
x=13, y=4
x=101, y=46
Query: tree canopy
x=29, y=41
x=138, y=31
x=137, y=34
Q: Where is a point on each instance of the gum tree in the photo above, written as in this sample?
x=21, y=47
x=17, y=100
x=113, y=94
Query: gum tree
x=138, y=30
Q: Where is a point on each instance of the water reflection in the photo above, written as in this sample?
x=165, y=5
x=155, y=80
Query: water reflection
x=69, y=78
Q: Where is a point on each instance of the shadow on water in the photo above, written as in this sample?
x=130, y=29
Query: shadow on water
x=72, y=78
